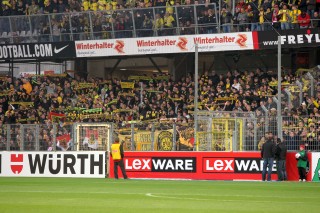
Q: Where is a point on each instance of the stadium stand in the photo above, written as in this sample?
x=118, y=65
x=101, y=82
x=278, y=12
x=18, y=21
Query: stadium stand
x=62, y=99
x=32, y=21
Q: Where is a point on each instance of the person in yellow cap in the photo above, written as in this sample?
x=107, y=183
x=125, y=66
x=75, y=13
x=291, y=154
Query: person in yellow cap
x=117, y=155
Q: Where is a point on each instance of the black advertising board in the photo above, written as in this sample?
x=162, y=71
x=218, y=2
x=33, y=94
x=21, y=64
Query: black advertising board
x=289, y=38
x=55, y=50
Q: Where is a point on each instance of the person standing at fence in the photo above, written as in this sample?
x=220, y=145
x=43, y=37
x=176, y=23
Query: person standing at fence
x=281, y=153
x=267, y=154
x=302, y=159
x=117, y=155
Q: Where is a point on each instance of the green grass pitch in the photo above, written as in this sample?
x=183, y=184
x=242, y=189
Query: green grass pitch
x=141, y=196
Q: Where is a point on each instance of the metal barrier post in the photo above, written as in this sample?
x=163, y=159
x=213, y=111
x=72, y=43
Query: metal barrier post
x=255, y=137
x=174, y=137
x=54, y=138
x=234, y=143
x=8, y=137
x=289, y=97
x=132, y=137
x=37, y=146
x=311, y=78
x=21, y=137
x=234, y=137
x=300, y=91
x=152, y=137
x=266, y=121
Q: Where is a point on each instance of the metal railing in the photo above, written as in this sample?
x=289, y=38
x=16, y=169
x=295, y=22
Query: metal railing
x=122, y=23
x=219, y=131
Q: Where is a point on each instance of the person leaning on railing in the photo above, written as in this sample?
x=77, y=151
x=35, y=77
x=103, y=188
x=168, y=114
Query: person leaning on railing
x=158, y=24
x=304, y=20
x=284, y=17
x=226, y=18
x=315, y=20
x=295, y=12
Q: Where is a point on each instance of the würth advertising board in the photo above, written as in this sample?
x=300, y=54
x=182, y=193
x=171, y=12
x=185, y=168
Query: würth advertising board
x=58, y=164
x=194, y=165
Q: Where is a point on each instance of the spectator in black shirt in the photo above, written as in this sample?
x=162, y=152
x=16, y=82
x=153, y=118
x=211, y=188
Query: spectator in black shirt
x=267, y=154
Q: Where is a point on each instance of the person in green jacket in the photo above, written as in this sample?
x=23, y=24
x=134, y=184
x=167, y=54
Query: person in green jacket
x=302, y=159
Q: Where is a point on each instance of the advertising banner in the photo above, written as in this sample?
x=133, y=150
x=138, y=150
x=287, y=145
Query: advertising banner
x=315, y=168
x=165, y=45
x=289, y=38
x=194, y=165
x=37, y=50
x=57, y=164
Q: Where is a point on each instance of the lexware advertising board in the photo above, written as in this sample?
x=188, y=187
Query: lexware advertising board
x=58, y=164
x=194, y=165
x=165, y=45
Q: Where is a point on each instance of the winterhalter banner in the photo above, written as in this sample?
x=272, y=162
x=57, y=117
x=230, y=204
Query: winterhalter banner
x=165, y=45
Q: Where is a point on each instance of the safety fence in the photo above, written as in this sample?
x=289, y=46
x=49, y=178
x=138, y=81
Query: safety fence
x=216, y=131
x=55, y=137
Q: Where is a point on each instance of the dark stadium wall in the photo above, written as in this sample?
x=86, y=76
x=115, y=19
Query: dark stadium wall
x=80, y=65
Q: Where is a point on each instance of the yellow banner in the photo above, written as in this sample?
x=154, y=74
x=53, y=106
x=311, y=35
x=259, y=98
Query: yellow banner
x=176, y=99
x=127, y=94
x=43, y=75
x=143, y=140
x=127, y=85
x=93, y=116
x=225, y=99
x=23, y=103
x=138, y=78
x=122, y=110
x=25, y=119
x=85, y=85
x=165, y=77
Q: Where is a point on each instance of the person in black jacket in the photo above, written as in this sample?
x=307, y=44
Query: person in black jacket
x=267, y=154
x=281, y=153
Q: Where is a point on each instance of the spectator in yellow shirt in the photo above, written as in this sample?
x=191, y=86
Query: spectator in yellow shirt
x=85, y=5
x=114, y=5
x=294, y=16
x=261, y=19
x=285, y=17
x=27, y=86
x=102, y=4
x=94, y=5
x=158, y=24
x=168, y=21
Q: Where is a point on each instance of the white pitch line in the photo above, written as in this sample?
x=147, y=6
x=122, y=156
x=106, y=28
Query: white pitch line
x=169, y=197
x=187, y=198
x=162, y=195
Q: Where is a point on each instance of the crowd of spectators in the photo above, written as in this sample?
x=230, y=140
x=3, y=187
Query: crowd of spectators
x=63, y=99
x=115, y=19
